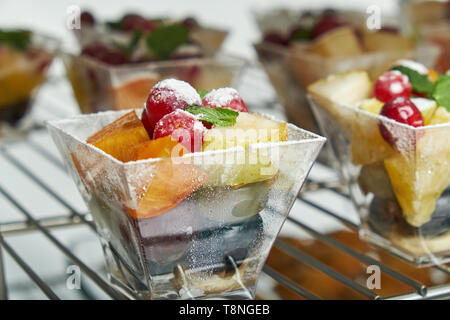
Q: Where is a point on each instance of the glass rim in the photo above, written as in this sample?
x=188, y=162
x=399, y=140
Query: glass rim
x=379, y=117
x=56, y=124
x=220, y=58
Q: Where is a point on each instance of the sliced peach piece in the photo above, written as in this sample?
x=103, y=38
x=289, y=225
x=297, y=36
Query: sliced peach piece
x=133, y=94
x=119, y=138
x=168, y=183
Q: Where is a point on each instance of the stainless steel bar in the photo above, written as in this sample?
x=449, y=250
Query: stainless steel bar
x=438, y=292
x=288, y=283
x=15, y=227
x=419, y=287
x=33, y=276
x=89, y=272
x=3, y=287
x=303, y=257
x=47, y=155
x=344, y=221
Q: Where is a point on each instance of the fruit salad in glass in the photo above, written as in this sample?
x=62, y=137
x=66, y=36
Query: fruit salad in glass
x=429, y=21
x=391, y=136
x=24, y=60
x=298, y=48
x=189, y=193
x=120, y=61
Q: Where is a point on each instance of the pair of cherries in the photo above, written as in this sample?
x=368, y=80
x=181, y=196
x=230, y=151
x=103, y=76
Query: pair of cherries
x=164, y=113
x=394, y=89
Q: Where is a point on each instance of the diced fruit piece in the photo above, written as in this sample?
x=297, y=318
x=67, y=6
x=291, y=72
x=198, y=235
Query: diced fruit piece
x=441, y=115
x=104, y=53
x=225, y=98
x=165, y=147
x=427, y=107
x=165, y=97
x=169, y=184
x=276, y=38
x=402, y=110
x=134, y=93
x=132, y=22
x=340, y=42
x=345, y=88
x=433, y=75
x=385, y=41
x=325, y=24
x=87, y=19
x=120, y=137
x=419, y=177
x=390, y=85
x=249, y=165
x=372, y=105
x=183, y=127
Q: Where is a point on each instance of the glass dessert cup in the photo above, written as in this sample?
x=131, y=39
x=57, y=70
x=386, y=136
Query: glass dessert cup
x=429, y=21
x=22, y=72
x=292, y=69
x=98, y=86
x=214, y=240
x=402, y=194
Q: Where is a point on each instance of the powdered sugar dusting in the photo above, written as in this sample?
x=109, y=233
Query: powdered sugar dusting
x=183, y=91
x=221, y=97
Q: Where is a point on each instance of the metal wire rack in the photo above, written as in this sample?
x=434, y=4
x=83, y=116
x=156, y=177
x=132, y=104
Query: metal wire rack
x=311, y=201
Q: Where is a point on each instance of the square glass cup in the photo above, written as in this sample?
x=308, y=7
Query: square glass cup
x=212, y=239
x=401, y=188
x=99, y=87
x=21, y=75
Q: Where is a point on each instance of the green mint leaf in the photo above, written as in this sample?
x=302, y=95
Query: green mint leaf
x=222, y=117
x=302, y=34
x=132, y=45
x=442, y=91
x=419, y=82
x=166, y=39
x=18, y=39
x=114, y=25
x=202, y=93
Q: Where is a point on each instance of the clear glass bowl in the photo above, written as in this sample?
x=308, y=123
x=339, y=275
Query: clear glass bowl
x=21, y=75
x=98, y=86
x=292, y=69
x=402, y=194
x=211, y=244
x=429, y=21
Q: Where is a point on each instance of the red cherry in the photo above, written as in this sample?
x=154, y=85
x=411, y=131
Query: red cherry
x=390, y=85
x=276, y=38
x=106, y=54
x=183, y=127
x=400, y=109
x=131, y=22
x=165, y=97
x=325, y=24
x=86, y=18
x=225, y=98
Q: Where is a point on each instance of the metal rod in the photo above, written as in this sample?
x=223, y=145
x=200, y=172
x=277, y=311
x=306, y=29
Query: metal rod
x=15, y=227
x=90, y=273
x=3, y=287
x=419, y=287
x=325, y=269
x=437, y=292
x=33, y=276
x=288, y=283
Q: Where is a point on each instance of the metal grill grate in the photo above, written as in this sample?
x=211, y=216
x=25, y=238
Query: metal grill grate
x=311, y=201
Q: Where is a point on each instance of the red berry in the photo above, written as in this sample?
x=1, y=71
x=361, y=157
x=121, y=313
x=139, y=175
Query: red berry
x=190, y=23
x=327, y=23
x=131, y=22
x=225, y=98
x=390, y=85
x=402, y=110
x=86, y=18
x=276, y=38
x=104, y=53
x=165, y=97
x=183, y=127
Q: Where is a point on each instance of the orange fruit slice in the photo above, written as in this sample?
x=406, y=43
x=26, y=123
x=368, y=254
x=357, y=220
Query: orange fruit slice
x=134, y=94
x=119, y=138
x=168, y=183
